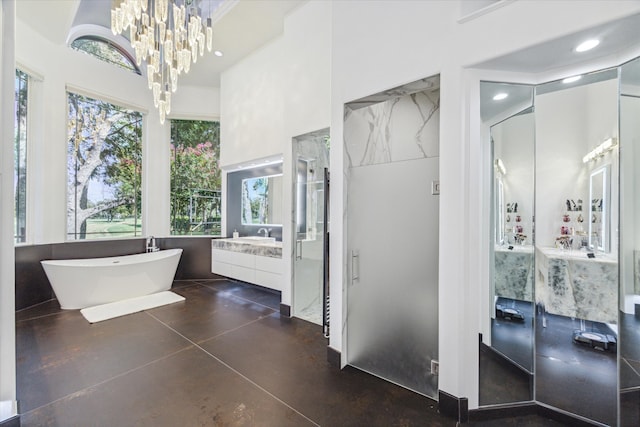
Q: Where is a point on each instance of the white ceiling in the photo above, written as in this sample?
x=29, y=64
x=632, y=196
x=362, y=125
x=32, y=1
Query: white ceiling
x=617, y=39
x=247, y=26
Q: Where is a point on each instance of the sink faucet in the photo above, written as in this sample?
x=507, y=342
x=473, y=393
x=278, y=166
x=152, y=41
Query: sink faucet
x=151, y=244
x=266, y=232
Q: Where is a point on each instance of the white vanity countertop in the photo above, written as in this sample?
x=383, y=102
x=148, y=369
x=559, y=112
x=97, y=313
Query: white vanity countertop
x=256, y=245
x=578, y=255
x=523, y=249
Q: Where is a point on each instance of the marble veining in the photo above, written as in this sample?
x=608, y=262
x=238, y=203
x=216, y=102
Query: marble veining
x=273, y=250
x=513, y=274
x=426, y=84
x=401, y=128
x=312, y=312
x=582, y=288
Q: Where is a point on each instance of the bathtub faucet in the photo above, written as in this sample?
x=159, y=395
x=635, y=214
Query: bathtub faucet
x=151, y=244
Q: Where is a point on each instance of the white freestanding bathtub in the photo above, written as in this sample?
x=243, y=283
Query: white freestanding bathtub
x=80, y=283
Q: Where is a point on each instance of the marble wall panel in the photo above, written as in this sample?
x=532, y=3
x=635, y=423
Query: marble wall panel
x=402, y=128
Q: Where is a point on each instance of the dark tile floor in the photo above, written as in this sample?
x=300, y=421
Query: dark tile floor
x=587, y=377
x=505, y=367
x=514, y=338
x=629, y=348
x=223, y=357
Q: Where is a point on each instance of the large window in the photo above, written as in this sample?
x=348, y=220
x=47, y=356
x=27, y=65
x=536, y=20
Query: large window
x=20, y=158
x=195, y=177
x=104, y=158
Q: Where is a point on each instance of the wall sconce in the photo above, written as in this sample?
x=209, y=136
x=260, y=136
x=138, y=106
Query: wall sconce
x=600, y=150
x=500, y=167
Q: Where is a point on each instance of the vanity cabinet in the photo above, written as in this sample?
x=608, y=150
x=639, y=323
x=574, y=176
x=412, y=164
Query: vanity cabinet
x=245, y=262
x=572, y=285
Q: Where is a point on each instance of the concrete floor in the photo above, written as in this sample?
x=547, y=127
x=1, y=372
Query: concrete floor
x=223, y=357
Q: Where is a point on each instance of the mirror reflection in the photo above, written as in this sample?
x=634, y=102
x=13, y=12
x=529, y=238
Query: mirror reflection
x=561, y=272
x=507, y=341
x=576, y=279
x=629, y=334
x=262, y=200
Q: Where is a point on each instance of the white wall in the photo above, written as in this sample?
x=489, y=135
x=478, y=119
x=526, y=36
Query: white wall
x=57, y=68
x=570, y=123
x=280, y=91
x=514, y=141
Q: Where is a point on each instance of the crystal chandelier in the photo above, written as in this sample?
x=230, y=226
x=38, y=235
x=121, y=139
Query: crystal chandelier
x=168, y=35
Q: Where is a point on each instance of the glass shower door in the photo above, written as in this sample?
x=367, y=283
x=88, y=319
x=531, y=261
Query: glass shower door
x=312, y=161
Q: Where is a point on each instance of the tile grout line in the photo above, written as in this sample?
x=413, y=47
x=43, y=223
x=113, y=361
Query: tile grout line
x=239, y=297
x=39, y=317
x=233, y=369
x=35, y=305
x=105, y=381
x=631, y=366
x=273, y=310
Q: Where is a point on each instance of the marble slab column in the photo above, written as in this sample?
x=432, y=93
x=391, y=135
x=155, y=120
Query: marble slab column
x=513, y=274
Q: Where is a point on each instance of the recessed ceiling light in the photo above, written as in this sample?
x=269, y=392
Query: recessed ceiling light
x=587, y=45
x=217, y=53
x=571, y=79
x=500, y=96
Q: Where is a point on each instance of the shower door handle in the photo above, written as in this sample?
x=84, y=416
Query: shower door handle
x=355, y=266
x=299, y=251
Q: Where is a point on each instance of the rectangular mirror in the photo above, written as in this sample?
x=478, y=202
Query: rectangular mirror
x=576, y=211
x=629, y=328
x=262, y=200
x=599, y=223
x=506, y=347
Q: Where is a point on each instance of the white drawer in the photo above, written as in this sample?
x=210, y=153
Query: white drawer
x=243, y=273
x=221, y=268
x=237, y=258
x=269, y=280
x=272, y=265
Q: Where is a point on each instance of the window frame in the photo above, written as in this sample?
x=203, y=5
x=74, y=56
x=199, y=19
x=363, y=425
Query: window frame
x=111, y=44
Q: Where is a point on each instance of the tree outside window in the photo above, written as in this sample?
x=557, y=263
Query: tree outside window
x=195, y=178
x=20, y=158
x=104, y=162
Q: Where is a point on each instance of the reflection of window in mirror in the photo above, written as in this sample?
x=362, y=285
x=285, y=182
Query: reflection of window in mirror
x=262, y=200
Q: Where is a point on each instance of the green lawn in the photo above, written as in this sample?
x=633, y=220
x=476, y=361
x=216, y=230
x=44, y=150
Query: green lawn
x=126, y=227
